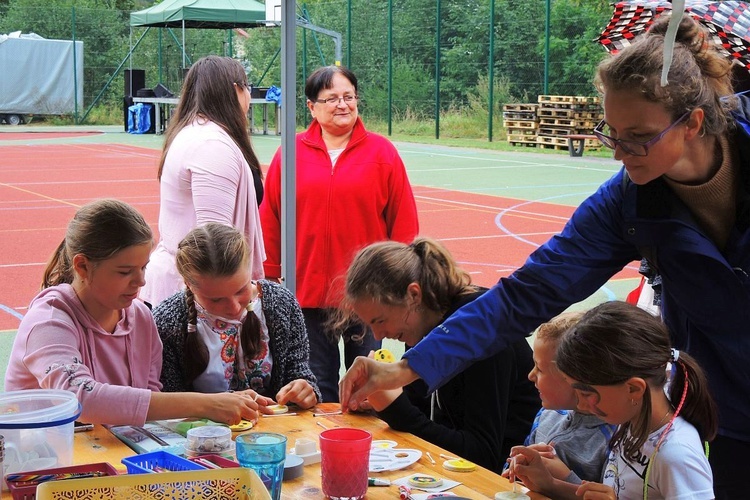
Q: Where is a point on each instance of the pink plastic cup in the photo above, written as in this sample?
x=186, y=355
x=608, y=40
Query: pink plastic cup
x=344, y=462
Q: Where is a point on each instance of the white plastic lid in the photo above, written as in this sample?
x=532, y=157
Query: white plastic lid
x=35, y=408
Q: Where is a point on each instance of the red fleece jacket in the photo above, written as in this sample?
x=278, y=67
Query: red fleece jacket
x=365, y=198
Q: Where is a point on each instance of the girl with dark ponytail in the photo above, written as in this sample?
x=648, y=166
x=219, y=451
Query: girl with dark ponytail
x=403, y=291
x=226, y=332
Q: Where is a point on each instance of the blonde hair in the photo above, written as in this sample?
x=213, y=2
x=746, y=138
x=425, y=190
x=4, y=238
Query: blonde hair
x=553, y=330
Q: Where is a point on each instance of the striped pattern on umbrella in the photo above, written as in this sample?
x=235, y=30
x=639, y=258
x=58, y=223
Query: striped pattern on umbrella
x=728, y=23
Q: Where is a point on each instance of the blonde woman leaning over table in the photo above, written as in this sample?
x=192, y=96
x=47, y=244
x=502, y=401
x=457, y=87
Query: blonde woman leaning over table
x=402, y=292
x=86, y=333
x=682, y=199
x=352, y=190
x=208, y=170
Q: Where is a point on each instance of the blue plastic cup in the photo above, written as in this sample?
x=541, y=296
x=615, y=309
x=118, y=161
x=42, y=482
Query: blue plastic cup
x=264, y=452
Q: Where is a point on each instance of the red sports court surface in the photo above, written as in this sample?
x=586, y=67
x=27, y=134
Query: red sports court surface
x=42, y=185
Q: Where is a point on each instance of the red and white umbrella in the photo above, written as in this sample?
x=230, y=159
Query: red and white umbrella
x=727, y=22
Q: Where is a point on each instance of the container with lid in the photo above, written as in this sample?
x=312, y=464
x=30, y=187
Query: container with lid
x=37, y=425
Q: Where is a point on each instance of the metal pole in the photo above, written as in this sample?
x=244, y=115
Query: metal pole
x=349, y=34
x=183, y=44
x=160, y=61
x=437, y=72
x=546, y=46
x=491, y=71
x=390, y=67
x=75, y=66
x=231, y=48
x=288, y=156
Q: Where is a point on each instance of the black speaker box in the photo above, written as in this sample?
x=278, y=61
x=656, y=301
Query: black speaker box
x=134, y=79
x=162, y=91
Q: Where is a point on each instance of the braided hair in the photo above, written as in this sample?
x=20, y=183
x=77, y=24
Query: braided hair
x=213, y=250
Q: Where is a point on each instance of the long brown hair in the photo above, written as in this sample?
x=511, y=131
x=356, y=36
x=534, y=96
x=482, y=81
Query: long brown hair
x=699, y=76
x=616, y=341
x=212, y=250
x=98, y=230
x=208, y=92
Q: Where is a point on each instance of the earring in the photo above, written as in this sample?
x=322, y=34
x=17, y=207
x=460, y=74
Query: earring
x=634, y=402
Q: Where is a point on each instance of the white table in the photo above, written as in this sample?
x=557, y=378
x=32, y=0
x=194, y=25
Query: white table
x=172, y=101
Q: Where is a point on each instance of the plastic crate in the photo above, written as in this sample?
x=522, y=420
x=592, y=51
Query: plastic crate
x=28, y=492
x=222, y=462
x=216, y=484
x=145, y=463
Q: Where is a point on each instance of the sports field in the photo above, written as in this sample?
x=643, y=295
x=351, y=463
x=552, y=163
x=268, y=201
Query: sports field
x=491, y=209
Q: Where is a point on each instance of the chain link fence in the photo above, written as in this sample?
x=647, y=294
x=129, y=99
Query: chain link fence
x=413, y=58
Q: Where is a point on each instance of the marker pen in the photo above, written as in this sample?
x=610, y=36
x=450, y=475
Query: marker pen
x=372, y=481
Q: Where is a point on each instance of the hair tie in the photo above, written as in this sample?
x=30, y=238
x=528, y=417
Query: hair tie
x=191, y=328
x=675, y=355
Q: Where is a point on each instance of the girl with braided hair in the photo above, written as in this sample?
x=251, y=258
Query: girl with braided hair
x=618, y=360
x=226, y=332
x=401, y=292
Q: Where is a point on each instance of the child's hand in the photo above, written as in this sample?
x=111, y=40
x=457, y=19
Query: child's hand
x=299, y=392
x=595, y=491
x=554, y=465
x=527, y=465
x=233, y=407
x=262, y=401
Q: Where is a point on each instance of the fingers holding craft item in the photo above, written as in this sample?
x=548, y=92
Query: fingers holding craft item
x=278, y=409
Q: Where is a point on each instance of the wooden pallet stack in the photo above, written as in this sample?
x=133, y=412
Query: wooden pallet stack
x=560, y=115
x=520, y=121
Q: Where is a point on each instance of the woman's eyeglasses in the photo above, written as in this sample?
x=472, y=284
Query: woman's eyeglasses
x=334, y=101
x=633, y=148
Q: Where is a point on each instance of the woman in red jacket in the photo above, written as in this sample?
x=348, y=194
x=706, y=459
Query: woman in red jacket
x=352, y=190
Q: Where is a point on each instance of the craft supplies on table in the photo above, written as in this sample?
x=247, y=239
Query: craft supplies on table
x=215, y=484
x=158, y=461
x=23, y=485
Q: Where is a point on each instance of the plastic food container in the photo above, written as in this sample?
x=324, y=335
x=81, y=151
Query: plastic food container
x=38, y=428
x=209, y=439
x=158, y=461
x=28, y=491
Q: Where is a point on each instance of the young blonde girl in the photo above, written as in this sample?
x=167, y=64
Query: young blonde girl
x=619, y=361
x=228, y=332
x=86, y=333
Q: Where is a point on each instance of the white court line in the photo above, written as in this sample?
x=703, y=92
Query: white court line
x=489, y=207
x=614, y=168
x=28, y=264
